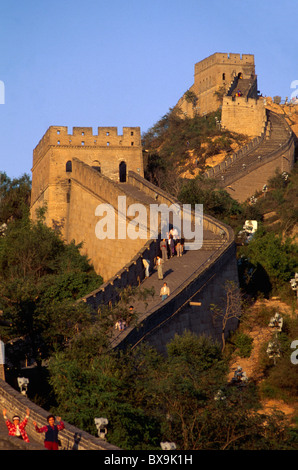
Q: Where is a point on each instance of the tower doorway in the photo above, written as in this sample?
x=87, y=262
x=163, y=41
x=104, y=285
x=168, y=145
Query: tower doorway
x=122, y=172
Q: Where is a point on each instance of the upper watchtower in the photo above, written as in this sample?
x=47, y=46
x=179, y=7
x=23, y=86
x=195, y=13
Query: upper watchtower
x=214, y=75
x=221, y=68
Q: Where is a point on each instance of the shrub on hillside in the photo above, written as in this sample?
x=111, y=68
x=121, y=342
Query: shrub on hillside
x=244, y=344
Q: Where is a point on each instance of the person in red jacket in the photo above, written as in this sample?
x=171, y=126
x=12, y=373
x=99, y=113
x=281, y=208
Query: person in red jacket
x=16, y=427
x=51, y=441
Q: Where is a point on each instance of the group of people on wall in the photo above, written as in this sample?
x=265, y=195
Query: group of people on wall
x=169, y=247
x=17, y=428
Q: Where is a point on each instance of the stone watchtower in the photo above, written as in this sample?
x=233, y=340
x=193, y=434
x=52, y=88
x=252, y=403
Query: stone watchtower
x=73, y=173
x=213, y=77
x=110, y=154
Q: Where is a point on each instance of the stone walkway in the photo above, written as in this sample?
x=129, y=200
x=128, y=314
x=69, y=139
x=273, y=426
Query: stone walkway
x=177, y=271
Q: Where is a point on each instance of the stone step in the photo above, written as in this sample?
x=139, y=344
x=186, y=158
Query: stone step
x=211, y=245
x=279, y=135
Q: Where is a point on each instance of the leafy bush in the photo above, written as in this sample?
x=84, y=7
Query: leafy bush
x=244, y=344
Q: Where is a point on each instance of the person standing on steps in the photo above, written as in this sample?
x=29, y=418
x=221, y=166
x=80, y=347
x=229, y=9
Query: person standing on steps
x=172, y=246
x=159, y=263
x=164, y=249
x=16, y=427
x=51, y=430
x=179, y=247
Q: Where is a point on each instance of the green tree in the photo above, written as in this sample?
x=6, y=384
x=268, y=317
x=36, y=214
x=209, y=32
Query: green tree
x=179, y=389
x=14, y=196
x=102, y=386
x=149, y=398
x=278, y=257
x=216, y=202
x=40, y=279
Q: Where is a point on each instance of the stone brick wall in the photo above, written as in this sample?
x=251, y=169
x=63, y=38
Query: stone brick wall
x=104, y=151
x=243, y=116
x=88, y=190
x=216, y=170
x=256, y=172
x=107, y=148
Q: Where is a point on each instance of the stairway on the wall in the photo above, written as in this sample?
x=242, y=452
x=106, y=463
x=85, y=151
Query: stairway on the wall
x=278, y=135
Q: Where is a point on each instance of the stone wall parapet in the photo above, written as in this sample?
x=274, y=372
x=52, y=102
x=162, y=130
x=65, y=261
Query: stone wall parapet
x=224, y=58
x=217, y=170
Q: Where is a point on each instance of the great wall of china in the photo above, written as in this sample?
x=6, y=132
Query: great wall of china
x=73, y=173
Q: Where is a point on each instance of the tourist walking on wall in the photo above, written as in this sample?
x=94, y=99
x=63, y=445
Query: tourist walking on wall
x=164, y=291
x=51, y=430
x=16, y=427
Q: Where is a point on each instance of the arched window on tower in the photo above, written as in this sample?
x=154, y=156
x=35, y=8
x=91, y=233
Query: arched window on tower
x=68, y=166
x=96, y=166
x=122, y=172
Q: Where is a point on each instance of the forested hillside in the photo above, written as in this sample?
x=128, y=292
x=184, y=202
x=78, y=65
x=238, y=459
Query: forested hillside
x=177, y=147
x=187, y=397
x=41, y=277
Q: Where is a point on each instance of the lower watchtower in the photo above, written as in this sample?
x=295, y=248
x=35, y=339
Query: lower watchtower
x=109, y=153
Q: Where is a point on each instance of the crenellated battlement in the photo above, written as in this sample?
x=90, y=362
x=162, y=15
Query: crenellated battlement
x=109, y=153
x=219, y=58
x=245, y=114
x=84, y=136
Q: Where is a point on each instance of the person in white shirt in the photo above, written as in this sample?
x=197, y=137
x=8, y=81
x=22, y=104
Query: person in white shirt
x=16, y=427
x=164, y=291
